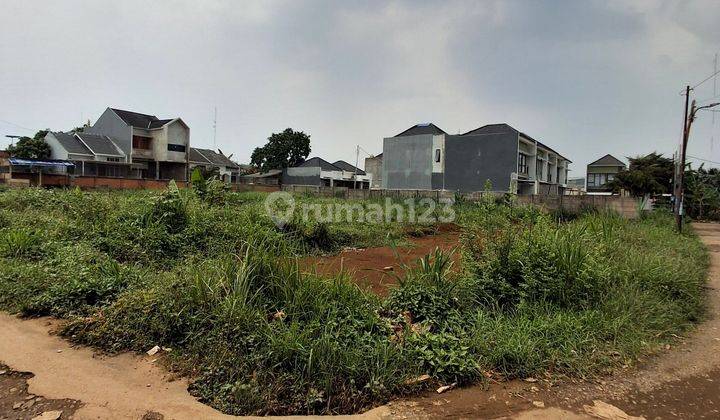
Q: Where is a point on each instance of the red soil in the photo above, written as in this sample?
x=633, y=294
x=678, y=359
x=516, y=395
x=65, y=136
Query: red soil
x=376, y=268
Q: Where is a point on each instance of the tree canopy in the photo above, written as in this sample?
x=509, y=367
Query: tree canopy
x=649, y=174
x=31, y=147
x=288, y=148
x=702, y=193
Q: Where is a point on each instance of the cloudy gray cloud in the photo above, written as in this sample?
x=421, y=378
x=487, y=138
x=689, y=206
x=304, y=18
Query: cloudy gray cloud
x=586, y=77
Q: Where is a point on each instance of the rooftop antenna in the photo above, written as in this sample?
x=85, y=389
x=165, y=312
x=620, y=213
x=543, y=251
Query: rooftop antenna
x=215, y=130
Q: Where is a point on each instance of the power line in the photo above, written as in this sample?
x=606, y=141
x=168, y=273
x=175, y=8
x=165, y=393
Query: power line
x=706, y=79
x=16, y=125
x=704, y=160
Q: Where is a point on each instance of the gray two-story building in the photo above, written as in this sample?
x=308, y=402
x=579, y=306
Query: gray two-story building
x=425, y=157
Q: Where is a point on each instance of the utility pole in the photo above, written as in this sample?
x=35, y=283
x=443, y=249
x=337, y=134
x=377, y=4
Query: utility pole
x=681, y=176
x=680, y=166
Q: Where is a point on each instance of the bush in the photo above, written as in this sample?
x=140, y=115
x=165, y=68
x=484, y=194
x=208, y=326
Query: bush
x=20, y=243
x=542, y=263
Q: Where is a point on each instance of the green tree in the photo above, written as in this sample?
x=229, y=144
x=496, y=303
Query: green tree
x=649, y=174
x=702, y=193
x=289, y=148
x=31, y=147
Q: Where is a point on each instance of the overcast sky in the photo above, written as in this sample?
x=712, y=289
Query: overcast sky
x=586, y=78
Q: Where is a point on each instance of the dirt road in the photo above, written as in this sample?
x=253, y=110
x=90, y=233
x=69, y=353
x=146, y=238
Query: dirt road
x=683, y=383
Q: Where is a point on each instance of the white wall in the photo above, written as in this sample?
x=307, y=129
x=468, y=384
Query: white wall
x=56, y=150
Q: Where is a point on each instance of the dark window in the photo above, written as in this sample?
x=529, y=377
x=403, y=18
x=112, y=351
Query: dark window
x=437, y=155
x=522, y=164
x=140, y=142
x=113, y=159
x=176, y=148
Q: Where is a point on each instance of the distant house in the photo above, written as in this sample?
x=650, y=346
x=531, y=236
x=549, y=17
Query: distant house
x=425, y=157
x=155, y=148
x=93, y=154
x=228, y=170
x=319, y=172
x=576, y=183
x=373, y=167
x=271, y=177
x=602, y=171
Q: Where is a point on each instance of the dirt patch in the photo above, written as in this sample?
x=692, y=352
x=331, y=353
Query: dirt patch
x=120, y=387
x=696, y=397
x=17, y=403
x=376, y=268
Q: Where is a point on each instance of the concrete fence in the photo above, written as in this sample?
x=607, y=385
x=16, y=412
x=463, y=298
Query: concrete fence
x=628, y=207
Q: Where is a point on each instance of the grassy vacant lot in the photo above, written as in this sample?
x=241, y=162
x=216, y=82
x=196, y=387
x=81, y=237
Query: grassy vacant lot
x=212, y=278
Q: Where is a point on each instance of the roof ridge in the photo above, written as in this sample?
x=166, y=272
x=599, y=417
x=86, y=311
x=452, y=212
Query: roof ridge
x=134, y=112
x=608, y=155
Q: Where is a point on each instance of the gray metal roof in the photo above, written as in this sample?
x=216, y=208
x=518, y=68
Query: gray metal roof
x=71, y=143
x=608, y=160
x=503, y=128
x=424, y=128
x=197, y=157
x=135, y=119
x=319, y=162
x=207, y=156
x=159, y=123
x=139, y=120
x=100, y=145
x=348, y=167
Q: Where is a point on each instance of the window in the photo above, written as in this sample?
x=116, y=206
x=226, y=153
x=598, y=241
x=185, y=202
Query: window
x=114, y=159
x=109, y=171
x=437, y=155
x=598, y=180
x=522, y=164
x=140, y=142
x=539, y=169
x=176, y=148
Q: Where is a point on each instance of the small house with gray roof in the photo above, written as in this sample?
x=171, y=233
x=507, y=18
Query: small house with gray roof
x=319, y=172
x=211, y=160
x=93, y=154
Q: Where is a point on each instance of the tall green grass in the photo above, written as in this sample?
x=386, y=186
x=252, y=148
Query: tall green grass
x=217, y=282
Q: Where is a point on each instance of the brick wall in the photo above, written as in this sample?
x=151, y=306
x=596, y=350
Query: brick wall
x=91, y=182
